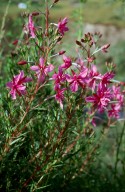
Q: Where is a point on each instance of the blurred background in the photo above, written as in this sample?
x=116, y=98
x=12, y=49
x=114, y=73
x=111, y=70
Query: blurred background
x=104, y=16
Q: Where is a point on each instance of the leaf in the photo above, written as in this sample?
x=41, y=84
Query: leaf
x=75, y=133
x=43, y=187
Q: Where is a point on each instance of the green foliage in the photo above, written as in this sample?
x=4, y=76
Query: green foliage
x=117, y=51
x=36, y=154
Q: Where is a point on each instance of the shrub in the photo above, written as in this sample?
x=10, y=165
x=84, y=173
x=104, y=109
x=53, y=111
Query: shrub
x=49, y=115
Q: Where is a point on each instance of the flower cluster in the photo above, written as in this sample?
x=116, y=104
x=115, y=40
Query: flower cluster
x=71, y=75
x=105, y=96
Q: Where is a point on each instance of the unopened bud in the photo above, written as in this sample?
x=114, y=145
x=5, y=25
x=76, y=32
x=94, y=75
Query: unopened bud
x=15, y=42
x=105, y=47
x=61, y=52
x=35, y=13
x=90, y=59
x=56, y=1
x=82, y=40
x=91, y=43
x=79, y=43
x=22, y=62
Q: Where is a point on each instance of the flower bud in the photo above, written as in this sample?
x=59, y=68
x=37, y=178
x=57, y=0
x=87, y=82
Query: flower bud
x=79, y=43
x=105, y=47
x=61, y=52
x=22, y=62
x=15, y=42
x=35, y=13
x=90, y=59
x=56, y=1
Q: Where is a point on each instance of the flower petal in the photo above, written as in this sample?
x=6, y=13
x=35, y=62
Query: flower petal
x=35, y=68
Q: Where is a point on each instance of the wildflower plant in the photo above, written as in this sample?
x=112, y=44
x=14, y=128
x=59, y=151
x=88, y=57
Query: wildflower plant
x=52, y=102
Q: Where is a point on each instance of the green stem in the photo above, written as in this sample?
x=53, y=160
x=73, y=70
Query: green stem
x=3, y=21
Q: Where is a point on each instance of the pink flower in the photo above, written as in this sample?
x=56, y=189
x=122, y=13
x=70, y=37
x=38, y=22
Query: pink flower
x=100, y=99
x=77, y=80
x=114, y=111
x=60, y=95
x=67, y=62
x=106, y=78
x=80, y=63
x=93, y=76
x=62, y=28
x=116, y=90
x=17, y=85
x=59, y=77
x=117, y=94
x=30, y=28
x=42, y=70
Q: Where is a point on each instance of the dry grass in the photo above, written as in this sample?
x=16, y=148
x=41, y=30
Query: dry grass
x=94, y=11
